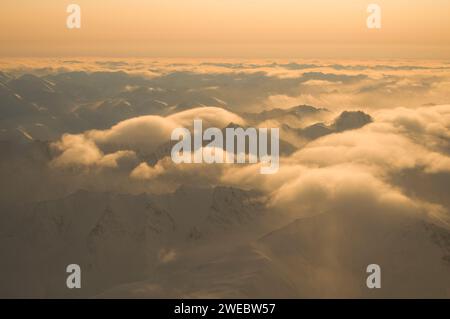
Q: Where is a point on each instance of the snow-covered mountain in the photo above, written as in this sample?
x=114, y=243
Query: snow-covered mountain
x=115, y=238
x=339, y=202
x=320, y=256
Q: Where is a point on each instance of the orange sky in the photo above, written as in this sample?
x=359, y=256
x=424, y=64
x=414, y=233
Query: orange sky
x=226, y=28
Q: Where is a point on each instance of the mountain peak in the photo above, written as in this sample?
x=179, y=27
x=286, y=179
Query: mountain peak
x=349, y=120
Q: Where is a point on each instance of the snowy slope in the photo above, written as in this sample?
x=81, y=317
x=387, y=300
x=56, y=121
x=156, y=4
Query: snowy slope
x=114, y=238
x=321, y=256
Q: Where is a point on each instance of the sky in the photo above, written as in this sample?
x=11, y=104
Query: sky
x=226, y=28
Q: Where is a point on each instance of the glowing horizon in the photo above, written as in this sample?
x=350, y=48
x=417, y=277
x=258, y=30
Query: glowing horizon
x=216, y=28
